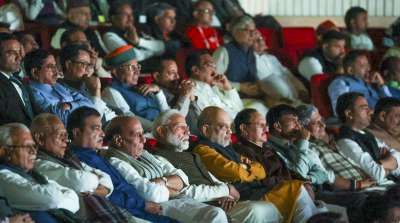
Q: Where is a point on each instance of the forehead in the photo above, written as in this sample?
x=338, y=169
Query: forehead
x=257, y=117
x=222, y=117
x=21, y=136
x=125, y=8
x=80, y=9
x=92, y=121
x=394, y=110
x=169, y=13
x=288, y=117
x=168, y=64
x=205, y=5
x=83, y=55
x=130, y=62
x=177, y=118
x=360, y=102
x=206, y=58
x=49, y=59
x=131, y=124
x=361, y=59
x=10, y=44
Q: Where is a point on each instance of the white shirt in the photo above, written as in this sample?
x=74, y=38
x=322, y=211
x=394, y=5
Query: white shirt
x=310, y=66
x=85, y=180
x=361, y=42
x=27, y=195
x=364, y=160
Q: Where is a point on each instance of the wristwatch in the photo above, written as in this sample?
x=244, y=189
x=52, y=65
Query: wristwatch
x=165, y=180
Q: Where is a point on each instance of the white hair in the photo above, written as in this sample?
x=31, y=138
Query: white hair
x=7, y=131
x=240, y=23
x=163, y=119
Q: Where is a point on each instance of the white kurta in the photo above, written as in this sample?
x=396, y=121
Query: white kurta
x=27, y=195
x=86, y=180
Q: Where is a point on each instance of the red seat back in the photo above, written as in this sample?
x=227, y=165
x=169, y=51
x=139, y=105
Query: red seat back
x=376, y=35
x=319, y=93
x=297, y=40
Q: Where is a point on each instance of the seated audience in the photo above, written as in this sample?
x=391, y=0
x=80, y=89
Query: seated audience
x=77, y=36
x=386, y=122
x=236, y=59
x=172, y=134
x=155, y=179
x=47, y=94
x=276, y=81
x=27, y=190
x=15, y=105
x=161, y=26
x=390, y=69
x=200, y=33
x=290, y=140
x=123, y=32
x=145, y=100
x=356, y=20
x=79, y=16
x=327, y=58
x=47, y=12
x=325, y=27
x=27, y=41
x=77, y=67
x=358, y=78
x=85, y=129
x=179, y=93
x=250, y=177
x=374, y=157
x=348, y=175
x=56, y=162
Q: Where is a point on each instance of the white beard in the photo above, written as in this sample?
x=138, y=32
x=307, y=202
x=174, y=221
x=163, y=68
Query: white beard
x=180, y=145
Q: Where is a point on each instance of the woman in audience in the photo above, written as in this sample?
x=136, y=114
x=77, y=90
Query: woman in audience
x=356, y=20
x=27, y=190
x=276, y=80
x=201, y=34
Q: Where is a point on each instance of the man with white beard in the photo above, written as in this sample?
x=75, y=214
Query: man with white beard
x=172, y=134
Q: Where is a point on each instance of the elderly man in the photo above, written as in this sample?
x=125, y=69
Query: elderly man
x=15, y=105
x=78, y=68
x=156, y=179
x=358, y=79
x=145, y=100
x=84, y=126
x=325, y=59
x=348, y=175
x=374, y=157
x=236, y=59
x=171, y=132
x=27, y=190
x=79, y=16
x=386, y=122
x=123, y=32
x=250, y=177
x=47, y=94
x=56, y=162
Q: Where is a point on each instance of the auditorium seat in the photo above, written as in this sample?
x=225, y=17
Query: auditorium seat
x=271, y=37
x=298, y=40
x=319, y=93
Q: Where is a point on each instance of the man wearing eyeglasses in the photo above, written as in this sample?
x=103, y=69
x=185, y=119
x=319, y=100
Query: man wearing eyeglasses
x=15, y=104
x=146, y=100
x=78, y=69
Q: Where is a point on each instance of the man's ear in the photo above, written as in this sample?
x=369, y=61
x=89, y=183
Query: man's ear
x=156, y=75
x=277, y=127
x=382, y=116
x=38, y=137
x=35, y=73
x=117, y=140
x=348, y=114
x=76, y=132
x=195, y=71
x=160, y=131
x=157, y=19
x=243, y=130
x=204, y=130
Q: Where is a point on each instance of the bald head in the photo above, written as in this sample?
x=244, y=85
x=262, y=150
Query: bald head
x=44, y=122
x=215, y=124
x=118, y=125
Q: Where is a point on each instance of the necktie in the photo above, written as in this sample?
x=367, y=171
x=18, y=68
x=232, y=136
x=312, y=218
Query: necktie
x=25, y=95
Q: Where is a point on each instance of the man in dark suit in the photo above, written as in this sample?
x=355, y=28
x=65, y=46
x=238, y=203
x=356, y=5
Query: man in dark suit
x=15, y=105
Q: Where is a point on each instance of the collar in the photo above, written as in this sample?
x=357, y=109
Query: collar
x=279, y=141
x=81, y=149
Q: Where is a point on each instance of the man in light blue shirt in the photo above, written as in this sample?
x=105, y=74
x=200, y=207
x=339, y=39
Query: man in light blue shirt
x=358, y=79
x=48, y=95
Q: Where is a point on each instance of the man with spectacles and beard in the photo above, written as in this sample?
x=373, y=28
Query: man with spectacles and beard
x=172, y=134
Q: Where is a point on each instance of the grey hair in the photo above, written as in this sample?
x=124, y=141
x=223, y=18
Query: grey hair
x=164, y=118
x=240, y=23
x=7, y=130
x=305, y=112
x=159, y=8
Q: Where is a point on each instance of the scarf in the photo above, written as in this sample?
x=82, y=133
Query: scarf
x=228, y=152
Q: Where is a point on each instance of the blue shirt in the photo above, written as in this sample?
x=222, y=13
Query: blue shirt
x=350, y=83
x=48, y=98
x=143, y=106
x=124, y=194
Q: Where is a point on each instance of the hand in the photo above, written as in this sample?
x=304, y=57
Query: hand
x=367, y=183
x=186, y=88
x=65, y=106
x=132, y=34
x=21, y=218
x=246, y=160
x=101, y=191
x=233, y=192
x=93, y=85
x=222, y=82
x=152, y=207
x=145, y=89
x=226, y=203
x=250, y=89
x=304, y=133
x=376, y=78
x=385, y=152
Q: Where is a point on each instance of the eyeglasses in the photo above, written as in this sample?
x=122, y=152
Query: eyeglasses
x=83, y=64
x=258, y=125
x=210, y=64
x=131, y=67
x=250, y=31
x=32, y=148
x=51, y=67
x=221, y=126
x=178, y=127
x=205, y=11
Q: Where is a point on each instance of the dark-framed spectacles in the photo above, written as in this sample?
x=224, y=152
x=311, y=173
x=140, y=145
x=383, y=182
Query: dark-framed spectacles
x=131, y=67
x=83, y=64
